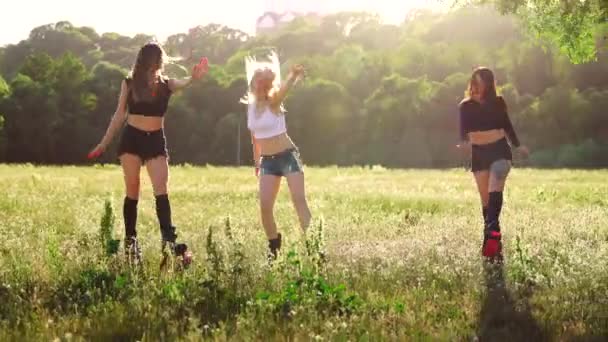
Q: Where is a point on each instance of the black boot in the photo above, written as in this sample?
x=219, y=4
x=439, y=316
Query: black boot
x=168, y=234
x=274, y=246
x=492, y=244
x=171, y=248
x=167, y=231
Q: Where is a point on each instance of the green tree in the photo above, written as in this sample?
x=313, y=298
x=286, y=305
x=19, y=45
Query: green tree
x=49, y=105
x=572, y=25
x=374, y=93
x=31, y=114
x=76, y=104
x=483, y=25
x=216, y=42
x=395, y=117
x=194, y=115
x=105, y=82
x=530, y=68
x=319, y=106
x=5, y=93
x=557, y=117
x=122, y=50
x=595, y=125
x=55, y=39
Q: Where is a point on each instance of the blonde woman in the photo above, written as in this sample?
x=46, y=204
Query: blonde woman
x=275, y=154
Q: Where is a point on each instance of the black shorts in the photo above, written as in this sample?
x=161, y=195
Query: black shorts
x=145, y=145
x=482, y=156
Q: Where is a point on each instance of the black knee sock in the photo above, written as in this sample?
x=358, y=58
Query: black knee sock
x=129, y=212
x=484, y=211
x=163, y=211
x=494, y=208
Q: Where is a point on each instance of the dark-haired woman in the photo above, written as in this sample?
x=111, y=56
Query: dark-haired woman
x=486, y=130
x=143, y=101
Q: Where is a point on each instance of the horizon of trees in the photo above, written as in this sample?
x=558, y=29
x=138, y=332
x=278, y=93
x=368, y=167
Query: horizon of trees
x=375, y=93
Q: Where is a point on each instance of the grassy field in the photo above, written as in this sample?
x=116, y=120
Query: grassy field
x=393, y=255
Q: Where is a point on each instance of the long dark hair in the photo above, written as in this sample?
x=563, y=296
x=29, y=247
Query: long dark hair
x=487, y=76
x=150, y=56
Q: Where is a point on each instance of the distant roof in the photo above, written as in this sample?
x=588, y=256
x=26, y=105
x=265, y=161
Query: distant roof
x=278, y=17
x=266, y=22
x=272, y=20
x=268, y=15
x=288, y=16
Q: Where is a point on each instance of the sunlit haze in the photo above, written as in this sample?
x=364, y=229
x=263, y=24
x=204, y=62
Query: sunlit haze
x=166, y=18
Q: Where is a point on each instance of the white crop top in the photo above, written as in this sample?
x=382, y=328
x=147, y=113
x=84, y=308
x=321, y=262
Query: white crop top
x=266, y=124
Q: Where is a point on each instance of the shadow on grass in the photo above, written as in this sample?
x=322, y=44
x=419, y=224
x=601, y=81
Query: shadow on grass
x=588, y=338
x=500, y=319
x=597, y=331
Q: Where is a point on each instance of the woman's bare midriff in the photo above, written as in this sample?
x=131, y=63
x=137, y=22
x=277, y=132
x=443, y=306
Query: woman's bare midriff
x=486, y=137
x=274, y=145
x=145, y=123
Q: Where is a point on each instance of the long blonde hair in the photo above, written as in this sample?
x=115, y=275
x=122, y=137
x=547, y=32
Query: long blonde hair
x=254, y=68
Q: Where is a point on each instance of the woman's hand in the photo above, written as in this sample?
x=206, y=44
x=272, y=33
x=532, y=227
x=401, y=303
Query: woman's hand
x=297, y=71
x=200, y=69
x=464, y=147
x=523, y=151
x=97, y=151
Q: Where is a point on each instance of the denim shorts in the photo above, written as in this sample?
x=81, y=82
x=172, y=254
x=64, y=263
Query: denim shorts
x=281, y=164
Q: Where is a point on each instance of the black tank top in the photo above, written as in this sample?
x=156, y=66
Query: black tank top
x=152, y=103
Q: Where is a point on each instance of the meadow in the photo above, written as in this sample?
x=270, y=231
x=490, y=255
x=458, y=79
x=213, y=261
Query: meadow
x=392, y=255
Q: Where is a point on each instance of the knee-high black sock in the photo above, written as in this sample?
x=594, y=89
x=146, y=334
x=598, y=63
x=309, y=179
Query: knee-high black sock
x=484, y=211
x=163, y=211
x=494, y=208
x=129, y=212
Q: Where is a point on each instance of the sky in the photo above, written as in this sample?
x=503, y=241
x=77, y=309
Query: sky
x=129, y=17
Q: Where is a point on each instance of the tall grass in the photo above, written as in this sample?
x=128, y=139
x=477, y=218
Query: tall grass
x=391, y=255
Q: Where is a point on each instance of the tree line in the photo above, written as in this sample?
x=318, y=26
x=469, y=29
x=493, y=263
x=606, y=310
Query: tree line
x=375, y=93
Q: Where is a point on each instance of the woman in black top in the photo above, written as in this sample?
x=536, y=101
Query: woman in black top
x=143, y=101
x=484, y=129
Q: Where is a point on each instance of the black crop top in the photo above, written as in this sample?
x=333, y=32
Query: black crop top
x=476, y=117
x=153, y=104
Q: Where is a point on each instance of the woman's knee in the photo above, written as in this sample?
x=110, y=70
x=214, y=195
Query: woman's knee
x=160, y=185
x=499, y=170
x=132, y=186
x=160, y=189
